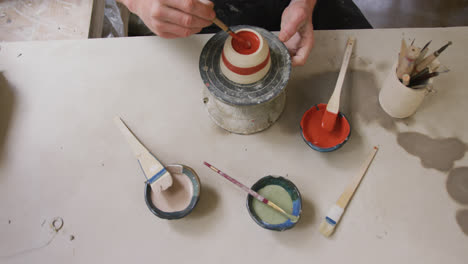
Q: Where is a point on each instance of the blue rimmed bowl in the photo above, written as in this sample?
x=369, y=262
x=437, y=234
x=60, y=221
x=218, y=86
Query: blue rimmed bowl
x=293, y=193
x=320, y=108
x=190, y=173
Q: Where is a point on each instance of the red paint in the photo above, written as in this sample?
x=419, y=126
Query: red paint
x=242, y=41
x=313, y=132
x=245, y=71
x=245, y=36
x=329, y=120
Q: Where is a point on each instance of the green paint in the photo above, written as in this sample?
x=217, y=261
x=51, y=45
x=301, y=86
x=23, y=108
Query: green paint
x=279, y=196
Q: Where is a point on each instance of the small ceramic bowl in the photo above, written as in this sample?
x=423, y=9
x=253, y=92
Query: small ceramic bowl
x=342, y=138
x=292, y=191
x=190, y=173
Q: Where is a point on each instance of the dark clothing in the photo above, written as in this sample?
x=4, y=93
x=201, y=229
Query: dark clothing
x=328, y=14
x=338, y=14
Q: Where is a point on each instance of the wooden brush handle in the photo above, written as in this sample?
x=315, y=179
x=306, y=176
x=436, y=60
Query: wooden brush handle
x=334, y=103
x=220, y=24
x=351, y=188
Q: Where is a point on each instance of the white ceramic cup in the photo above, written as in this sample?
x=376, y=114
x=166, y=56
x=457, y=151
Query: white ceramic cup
x=396, y=99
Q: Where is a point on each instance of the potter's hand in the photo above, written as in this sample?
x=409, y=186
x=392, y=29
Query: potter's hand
x=297, y=31
x=173, y=18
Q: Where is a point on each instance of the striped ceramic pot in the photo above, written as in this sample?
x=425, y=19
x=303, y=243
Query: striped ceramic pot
x=245, y=65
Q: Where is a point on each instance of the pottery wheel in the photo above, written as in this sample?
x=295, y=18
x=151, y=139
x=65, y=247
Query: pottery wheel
x=255, y=93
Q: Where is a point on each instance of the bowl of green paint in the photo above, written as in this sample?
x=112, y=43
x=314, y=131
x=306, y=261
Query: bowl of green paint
x=283, y=193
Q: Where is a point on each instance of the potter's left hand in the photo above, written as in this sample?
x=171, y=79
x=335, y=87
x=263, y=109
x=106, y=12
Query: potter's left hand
x=297, y=31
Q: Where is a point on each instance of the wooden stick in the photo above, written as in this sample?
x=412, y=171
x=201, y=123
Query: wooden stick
x=406, y=79
x=402, y=53
x=407, y=63
x=221, y=25
x=334, y=102
x=156, y=174
x=351, y=188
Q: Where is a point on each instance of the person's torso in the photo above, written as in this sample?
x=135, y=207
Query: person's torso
x=260, y=13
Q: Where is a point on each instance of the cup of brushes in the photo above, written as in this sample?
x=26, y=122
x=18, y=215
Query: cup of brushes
x=410, y=80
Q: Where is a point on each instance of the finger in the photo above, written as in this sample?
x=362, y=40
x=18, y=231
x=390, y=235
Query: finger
x=168, y=35
x=293, y=44
x=161, y=28
x=193, y=7
x=291, y=22
x=305, y=47
x=177, y=17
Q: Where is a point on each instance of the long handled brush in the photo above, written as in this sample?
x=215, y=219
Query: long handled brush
x=334, y=214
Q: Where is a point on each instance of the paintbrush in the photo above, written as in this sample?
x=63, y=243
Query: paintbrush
x=417, y=75
x=223, y=26
x=423, y=52
x=334, y=214
x=254, y=194
x=424, y=77
x=331, y=112
x=429, y=59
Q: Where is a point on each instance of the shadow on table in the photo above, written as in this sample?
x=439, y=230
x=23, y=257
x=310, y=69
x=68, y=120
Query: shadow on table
x=201, y=219
x=7, y=102
x=299, y=234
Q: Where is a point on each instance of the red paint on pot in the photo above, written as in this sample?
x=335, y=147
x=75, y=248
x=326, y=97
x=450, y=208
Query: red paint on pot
x=246, y=36
x=313, y=132
x=244, y=71
x=245, y=43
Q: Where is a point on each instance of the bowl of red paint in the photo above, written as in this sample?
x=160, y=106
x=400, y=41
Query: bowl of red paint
x=320, y=139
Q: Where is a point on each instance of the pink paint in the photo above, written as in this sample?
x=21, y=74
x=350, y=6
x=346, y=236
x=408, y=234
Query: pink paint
x=238, y=42
x=313, y=132
x=177, y=197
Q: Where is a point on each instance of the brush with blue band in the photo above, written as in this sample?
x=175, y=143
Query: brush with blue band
x=156, y=174
x=334, y=214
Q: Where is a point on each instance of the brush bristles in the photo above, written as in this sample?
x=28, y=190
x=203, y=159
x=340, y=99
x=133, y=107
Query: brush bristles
x=293, y=218
x=326, y=228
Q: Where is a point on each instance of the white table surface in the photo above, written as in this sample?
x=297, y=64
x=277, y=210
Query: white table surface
x=62, y=156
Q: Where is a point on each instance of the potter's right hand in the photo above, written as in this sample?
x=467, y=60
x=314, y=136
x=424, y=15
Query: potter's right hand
x=173, y=18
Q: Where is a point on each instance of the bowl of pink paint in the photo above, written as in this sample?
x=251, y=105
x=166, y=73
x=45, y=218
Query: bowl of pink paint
x=179, y=199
